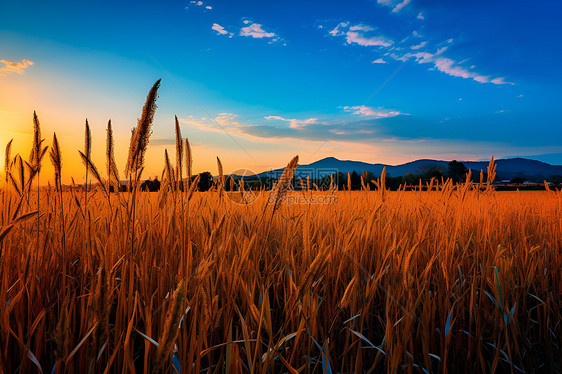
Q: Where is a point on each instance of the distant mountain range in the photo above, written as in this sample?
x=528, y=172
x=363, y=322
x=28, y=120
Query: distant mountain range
x=506, y=168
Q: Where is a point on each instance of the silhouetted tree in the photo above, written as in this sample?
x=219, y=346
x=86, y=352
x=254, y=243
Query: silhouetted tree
x=205, y=181
x=355, y=181
x=151, y=185
x=456, y=171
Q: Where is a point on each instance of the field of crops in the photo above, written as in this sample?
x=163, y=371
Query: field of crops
x=448, y=277
x=420, y=281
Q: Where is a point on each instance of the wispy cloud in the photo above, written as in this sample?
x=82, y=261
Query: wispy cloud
x=294, y=123
x=396, y=5
x=379, y=61
x=360, y=34
x=399, y=7
x=14, y=67
x=418, y=46
x=449, y=66
x=420, y=16
x=367, y=111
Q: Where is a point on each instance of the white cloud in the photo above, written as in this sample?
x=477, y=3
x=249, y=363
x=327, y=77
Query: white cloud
x=255, y=31
x=294, y=123
x=361, y=28
x=14, y=67
x=367, y=111
x=219, y=29
x=379, y=61
x=418, y=46
x=209, y=7
x=358, y=34
x=420, y=16
x=359, y=38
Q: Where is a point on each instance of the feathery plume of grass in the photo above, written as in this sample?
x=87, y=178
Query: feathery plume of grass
x=37, y=153
x=87, y=140
x=481, y=183
x=171, y=330
x=56, y=160
x=8, y=160
x=141, y=133
x=491, y=174
x=112, y=171
x=34, y=158
x=308, y=185
x=188, y=161
x=220, y=181
x=348, y=182
x=179, y=155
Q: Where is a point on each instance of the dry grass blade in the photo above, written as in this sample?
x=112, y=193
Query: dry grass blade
x=92, y=168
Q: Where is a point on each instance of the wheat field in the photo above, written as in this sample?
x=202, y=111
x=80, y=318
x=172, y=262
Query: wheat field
x=457, y=278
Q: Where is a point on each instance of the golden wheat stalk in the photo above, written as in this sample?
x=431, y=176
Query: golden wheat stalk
x=141, y=133
x=280, y=190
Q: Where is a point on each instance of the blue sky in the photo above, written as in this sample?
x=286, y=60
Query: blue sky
x=256, y=82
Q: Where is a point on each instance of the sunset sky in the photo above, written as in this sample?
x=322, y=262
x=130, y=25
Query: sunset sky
x=257, y=82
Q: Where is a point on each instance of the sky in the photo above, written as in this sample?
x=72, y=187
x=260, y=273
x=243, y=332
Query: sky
x=257, y=82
